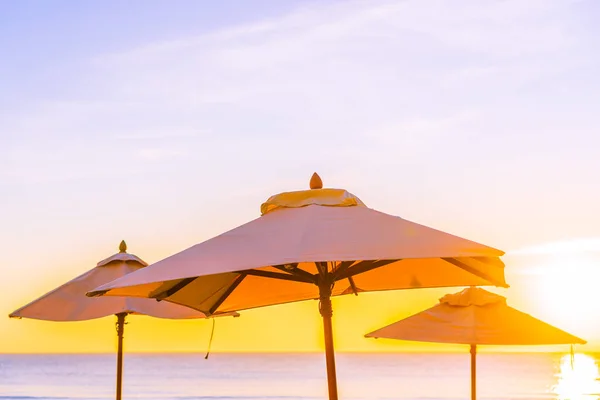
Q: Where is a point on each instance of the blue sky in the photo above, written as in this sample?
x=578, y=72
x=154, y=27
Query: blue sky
x=165, y=123
x=488, y=104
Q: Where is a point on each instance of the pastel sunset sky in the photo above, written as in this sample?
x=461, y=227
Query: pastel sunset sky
x=166, y=123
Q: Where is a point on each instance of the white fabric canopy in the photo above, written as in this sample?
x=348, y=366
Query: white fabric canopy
x=475, y=316
x=68, y=302
x=273, y=259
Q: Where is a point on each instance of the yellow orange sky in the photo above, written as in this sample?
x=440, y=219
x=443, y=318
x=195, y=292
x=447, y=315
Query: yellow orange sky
x=292, y=327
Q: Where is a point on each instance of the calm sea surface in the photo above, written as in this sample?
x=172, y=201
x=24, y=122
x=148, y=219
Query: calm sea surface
x=299, y=376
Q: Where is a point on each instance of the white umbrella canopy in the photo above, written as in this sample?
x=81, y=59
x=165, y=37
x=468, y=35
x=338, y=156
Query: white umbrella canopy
x=312, y=244
x=68, y=302
x=475, y=316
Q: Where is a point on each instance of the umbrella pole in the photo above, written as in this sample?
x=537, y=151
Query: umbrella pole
x=473, y=372
x=120, y=329
x=326, y=311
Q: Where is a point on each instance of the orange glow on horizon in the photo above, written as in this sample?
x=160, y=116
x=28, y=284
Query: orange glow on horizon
x=550, y=293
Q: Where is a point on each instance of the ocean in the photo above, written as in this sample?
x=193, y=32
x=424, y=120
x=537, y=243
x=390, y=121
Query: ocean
x=299, y=376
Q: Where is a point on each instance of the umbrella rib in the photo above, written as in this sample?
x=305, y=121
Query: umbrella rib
x=353, y=286
x=474, y=271
x=229, y=290
x=290, y=266
x=300, y=273
x=174, y=289
x=344, y=265
x=361, y=267
x=278, y=275
x=321, y=267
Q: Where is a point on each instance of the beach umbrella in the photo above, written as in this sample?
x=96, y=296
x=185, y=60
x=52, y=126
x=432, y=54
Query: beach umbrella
x=68, y=302
x=475, y=317
x=312, y=244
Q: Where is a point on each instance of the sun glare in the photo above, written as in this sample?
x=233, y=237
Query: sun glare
x=578, y=378
x=563, y=286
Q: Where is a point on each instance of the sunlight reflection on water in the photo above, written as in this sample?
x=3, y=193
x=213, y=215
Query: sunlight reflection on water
x=578, y=380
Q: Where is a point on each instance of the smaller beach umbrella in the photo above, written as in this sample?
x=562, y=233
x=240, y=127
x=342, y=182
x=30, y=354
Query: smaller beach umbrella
x=475, y=317
x=68, y=302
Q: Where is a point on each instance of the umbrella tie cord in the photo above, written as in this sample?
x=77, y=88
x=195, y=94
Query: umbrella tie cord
x=212, y=333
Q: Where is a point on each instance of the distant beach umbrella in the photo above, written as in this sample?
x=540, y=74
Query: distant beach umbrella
x=312, y=244
x=69, y=302
x=474, y=317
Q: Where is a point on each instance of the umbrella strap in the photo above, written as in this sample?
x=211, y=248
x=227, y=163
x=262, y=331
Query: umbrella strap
x=325, y=308
x=120, y=324
x=212, y=333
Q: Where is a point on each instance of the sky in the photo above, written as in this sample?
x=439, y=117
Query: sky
x=166, y=124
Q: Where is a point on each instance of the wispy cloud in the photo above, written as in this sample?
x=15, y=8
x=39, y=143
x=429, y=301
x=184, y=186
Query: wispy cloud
x=419, y=132
x=576, y=245
x=321, y=49
x=360, y=78
x=166, y=134
x=494, y=28
x=154, y=154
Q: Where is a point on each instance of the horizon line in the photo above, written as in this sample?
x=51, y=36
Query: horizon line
x=292, y=352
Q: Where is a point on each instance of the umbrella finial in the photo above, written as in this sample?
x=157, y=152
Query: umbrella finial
x=316, y=182
x=123, y=247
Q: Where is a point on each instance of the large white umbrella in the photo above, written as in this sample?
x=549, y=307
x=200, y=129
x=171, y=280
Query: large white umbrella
x=475, y=317
x=312, y=244
x=68, y=302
